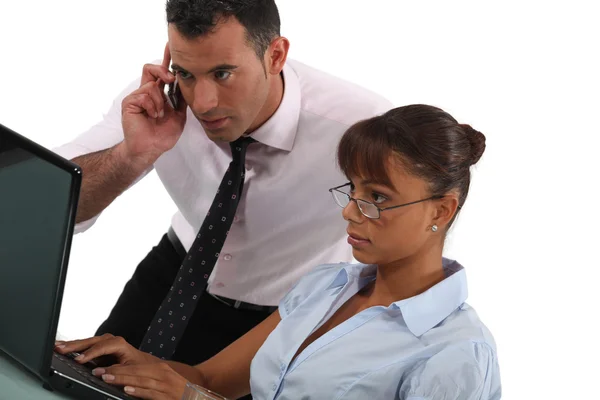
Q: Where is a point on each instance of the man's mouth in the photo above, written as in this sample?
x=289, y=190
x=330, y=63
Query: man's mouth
x=214, y=123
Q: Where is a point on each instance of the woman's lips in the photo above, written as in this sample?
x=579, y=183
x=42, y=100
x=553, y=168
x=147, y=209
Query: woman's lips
x=357, y=241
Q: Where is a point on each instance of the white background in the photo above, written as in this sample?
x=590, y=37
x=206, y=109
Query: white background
x=525, y=75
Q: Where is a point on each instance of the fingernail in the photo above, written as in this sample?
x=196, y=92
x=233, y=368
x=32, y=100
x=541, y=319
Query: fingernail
x=58, y=342
x=98, y=371
x=62, y=346
x=108, y=377
x=129, y=389
x=155, y=115
x=79, y=357
x=162, y=113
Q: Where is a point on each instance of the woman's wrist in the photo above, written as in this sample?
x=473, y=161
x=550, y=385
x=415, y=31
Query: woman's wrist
x=192, y=374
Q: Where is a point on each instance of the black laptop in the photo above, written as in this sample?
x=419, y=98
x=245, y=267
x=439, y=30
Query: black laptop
x=38, y=201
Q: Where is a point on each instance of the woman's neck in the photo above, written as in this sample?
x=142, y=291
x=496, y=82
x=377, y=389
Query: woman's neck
x=406, y=278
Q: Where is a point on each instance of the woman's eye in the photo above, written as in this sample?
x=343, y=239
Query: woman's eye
x=378, y=198
x=222, y=75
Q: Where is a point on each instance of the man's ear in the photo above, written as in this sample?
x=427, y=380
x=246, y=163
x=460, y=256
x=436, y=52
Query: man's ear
x=276, y=55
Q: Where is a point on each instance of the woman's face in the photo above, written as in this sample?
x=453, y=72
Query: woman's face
x=399, y=233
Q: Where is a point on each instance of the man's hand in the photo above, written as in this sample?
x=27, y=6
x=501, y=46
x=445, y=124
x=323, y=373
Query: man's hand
x=101, y=347
x=150, y=125
x=156, y=381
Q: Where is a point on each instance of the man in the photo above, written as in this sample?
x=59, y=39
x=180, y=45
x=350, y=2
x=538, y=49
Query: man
x=231, y=67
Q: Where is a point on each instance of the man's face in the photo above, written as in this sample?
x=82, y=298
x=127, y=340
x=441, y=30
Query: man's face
x=221, y=79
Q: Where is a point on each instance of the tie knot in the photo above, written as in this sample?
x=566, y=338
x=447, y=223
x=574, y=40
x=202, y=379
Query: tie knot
x=238, y=148
x=241, y=144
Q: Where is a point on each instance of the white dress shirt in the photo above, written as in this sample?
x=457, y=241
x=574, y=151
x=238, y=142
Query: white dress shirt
x=286, y=222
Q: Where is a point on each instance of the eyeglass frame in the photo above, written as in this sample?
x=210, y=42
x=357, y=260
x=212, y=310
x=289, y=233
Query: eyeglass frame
x=379, y=210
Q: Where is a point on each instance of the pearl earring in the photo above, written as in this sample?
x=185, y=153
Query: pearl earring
x=434, y=228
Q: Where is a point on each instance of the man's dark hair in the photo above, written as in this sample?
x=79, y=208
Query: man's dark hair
x=194, y=18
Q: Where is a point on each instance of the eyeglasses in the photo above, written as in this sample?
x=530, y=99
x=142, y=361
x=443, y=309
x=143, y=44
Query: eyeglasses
x=368, y=209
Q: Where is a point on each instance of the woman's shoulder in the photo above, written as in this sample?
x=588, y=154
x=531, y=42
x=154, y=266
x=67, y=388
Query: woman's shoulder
x=462, y=369
x=466, y=326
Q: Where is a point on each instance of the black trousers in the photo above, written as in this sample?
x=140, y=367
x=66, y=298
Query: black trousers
x=213, y=326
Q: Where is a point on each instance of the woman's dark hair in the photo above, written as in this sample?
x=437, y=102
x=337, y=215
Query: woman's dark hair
x=429, y=142
x=194, y=18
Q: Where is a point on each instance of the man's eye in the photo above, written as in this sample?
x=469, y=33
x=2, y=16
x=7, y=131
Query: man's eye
x=184, y=75
x=222, y=75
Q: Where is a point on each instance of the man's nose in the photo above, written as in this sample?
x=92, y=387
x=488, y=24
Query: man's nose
x=205, y=98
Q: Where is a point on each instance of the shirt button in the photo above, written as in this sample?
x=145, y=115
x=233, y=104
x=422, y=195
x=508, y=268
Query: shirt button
x=274, y=387
x=227, y=257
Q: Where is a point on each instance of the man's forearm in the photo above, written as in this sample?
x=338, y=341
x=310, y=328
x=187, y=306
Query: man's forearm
x=106, y=174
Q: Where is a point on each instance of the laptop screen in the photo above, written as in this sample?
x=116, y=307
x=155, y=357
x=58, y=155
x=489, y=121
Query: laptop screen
x=35, y=205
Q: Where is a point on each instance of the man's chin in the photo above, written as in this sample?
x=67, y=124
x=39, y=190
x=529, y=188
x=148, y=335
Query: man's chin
x=222, y=136
x=227, y=133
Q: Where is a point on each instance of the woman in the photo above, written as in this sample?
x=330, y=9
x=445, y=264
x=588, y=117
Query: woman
x=394, y=326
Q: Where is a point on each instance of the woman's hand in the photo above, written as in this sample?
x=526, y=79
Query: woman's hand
x=157, y=381
x=106, y=350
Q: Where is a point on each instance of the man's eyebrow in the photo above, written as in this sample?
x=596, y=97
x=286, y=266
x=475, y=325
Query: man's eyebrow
x=220, y=67
x=223, y=67
x=176, y=67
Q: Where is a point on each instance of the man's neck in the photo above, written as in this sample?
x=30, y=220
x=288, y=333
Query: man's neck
x=272, y=103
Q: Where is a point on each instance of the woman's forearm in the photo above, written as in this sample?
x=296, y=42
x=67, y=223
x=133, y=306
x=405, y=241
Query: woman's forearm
x=192, y=374
x=228, y=373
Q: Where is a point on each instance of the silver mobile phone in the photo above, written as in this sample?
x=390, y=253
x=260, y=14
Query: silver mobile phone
x=173, y=94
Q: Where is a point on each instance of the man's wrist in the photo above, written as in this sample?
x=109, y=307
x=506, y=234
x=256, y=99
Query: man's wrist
x=136, y=162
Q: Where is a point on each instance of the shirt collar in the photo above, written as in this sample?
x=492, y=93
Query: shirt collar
x=279, y=131
x=424, y=311
x=362, y=272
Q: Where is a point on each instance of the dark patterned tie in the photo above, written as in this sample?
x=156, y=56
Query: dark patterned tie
x=173, y=315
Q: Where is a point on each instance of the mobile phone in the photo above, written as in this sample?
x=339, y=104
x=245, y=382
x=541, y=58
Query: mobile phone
x=173, y=94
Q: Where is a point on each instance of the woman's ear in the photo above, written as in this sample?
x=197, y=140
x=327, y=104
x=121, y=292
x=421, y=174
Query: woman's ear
x=446, y=208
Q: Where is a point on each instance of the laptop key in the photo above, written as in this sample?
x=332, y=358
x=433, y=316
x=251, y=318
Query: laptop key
x=85, y=373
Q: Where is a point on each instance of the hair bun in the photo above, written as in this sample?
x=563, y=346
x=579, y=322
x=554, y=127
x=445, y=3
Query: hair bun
x=477, y=140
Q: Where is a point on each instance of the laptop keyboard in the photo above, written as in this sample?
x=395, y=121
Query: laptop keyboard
x=84, y=374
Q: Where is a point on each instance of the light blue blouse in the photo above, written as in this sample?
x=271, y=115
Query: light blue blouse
x=431, y=346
